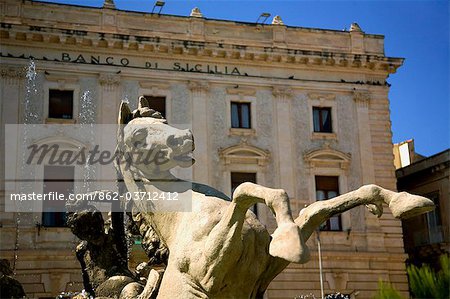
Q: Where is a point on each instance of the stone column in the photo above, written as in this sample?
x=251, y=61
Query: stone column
x=283, y=96
x=109, y=101
x=200, y=130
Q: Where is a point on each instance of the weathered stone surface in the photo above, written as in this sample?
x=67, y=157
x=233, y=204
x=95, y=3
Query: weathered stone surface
x=113, y=286
x=104, y=269
x=220, y=249
x=9, y=287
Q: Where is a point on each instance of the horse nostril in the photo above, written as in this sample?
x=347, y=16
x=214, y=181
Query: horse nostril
x=172, y=141
x=184, y=140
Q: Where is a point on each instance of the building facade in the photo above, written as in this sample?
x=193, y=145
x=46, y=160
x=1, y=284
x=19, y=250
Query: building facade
x=302, y=109
x=427, y=236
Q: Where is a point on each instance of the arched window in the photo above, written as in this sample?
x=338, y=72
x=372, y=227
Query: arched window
x=244, y=162
x=328, y=178
x=55, y=174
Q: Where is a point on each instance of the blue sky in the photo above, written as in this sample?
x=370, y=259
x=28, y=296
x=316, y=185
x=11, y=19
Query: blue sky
x=415, y=30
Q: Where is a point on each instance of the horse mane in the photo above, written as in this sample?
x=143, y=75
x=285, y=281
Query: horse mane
x=154, y=248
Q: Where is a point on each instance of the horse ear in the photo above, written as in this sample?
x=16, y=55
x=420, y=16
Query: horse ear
x=124, y=114
x=143, y=102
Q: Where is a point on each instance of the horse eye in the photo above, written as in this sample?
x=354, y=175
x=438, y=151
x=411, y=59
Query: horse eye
x=140, y=134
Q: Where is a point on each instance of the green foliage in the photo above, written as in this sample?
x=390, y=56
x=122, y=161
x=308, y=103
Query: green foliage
x=387, y=291
x=426, y=283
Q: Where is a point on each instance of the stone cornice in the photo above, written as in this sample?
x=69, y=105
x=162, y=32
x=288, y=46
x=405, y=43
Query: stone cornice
x=98, y=41
x=192, y=36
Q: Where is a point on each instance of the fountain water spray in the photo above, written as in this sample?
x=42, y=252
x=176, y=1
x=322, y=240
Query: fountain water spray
x=87, y=120
x=29, y=117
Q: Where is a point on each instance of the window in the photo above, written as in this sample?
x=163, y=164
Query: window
x=60, y=104
x=434, y=221
x=327, y=187
x=322, y=119
x=59, y=180
x=240, y=115
x=238, y=178
x=158, y=104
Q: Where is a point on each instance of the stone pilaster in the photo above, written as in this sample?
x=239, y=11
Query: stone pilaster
x=10, y=92
x=362, y=100
x=283, y=96
x=199, y=91
x=109, y=94
x=365, y=141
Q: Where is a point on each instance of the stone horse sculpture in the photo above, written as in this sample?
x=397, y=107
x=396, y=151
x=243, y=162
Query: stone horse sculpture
x=220, y=249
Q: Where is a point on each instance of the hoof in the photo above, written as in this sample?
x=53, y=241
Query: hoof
x=287, y=243
x=406, y=205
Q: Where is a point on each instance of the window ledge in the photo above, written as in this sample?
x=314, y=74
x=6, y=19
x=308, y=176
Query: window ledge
x=319, y=135
x=242, y=132
x=60, y=121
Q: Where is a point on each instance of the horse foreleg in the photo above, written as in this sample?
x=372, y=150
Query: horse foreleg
x=287, y=242
x=402, y=205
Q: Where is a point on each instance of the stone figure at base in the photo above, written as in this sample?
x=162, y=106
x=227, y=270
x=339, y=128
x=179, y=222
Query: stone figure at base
x=9, y=286
x=104, y=272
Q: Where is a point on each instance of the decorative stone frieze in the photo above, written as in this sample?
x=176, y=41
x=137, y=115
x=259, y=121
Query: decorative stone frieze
x=320, y=96
x=198, y=87
x=357, y=58
x=244, y=153
x=327, y=157
x=109, y=81
x=361, y=99
x=12, y=75
x=282, y=93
